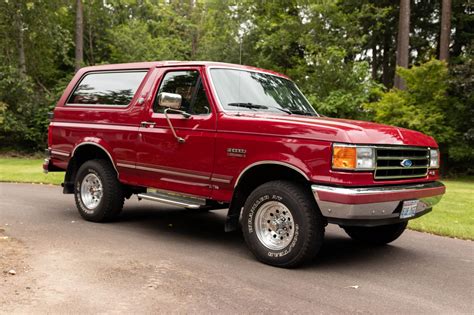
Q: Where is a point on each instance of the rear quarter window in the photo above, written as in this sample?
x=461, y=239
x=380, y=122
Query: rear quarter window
x=107, y=88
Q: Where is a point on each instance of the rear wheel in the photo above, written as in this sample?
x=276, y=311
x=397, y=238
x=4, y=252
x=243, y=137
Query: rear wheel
x=282, y=225
x=378, y=235
x=98, y=193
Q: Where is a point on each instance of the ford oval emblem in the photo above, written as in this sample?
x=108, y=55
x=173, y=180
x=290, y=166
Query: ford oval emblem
x=406, y=163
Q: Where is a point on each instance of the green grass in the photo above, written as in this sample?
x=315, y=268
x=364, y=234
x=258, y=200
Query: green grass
x=453, y=216
x=27, y=171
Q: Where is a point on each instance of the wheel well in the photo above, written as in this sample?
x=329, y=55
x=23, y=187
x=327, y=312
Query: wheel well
x=82, y=154
x=251, y=179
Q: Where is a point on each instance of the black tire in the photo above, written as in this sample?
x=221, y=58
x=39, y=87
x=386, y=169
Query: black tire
x=112, y=199
x=377, y=235
x=308, y=223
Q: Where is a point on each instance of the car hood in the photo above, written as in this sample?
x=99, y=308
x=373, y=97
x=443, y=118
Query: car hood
x=338, y=130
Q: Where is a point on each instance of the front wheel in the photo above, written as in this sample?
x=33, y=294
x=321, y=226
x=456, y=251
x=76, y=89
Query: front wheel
x=378, y=235
x=282, y=225
x=98, y=193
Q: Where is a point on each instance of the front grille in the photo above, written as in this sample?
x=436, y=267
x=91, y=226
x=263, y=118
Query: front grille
x=389, y=162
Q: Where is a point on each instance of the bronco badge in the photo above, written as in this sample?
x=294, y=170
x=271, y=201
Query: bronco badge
x=236, y=152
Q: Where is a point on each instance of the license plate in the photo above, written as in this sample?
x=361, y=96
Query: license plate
x=408, y=209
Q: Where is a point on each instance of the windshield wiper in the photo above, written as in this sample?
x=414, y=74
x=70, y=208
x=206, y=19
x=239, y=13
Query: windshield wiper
x=257, y=106
x=248, y=105
x=301, y=112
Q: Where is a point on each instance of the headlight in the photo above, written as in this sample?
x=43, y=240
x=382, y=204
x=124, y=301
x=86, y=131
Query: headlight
x=351, y=157
x=434, y=158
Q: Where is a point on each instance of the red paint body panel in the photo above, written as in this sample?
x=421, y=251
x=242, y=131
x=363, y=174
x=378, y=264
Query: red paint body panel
x=182, y=167
x=151, y=157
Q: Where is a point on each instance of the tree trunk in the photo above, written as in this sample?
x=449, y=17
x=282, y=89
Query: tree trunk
x=79, y=35
x=386, y=69
x=91, y=41
x=444, y=39
x=403, y=41
x=195, y=36
x=375, y=65
x=459, y=40
x=91, y=46
x=20, y=43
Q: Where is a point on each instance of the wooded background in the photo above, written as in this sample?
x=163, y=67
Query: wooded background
x=342, y=54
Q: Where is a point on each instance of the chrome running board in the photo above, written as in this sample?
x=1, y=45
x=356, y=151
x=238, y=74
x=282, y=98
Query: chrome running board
x=174, y=199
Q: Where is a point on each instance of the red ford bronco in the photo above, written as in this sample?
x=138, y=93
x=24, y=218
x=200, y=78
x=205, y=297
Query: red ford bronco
x=205, y=135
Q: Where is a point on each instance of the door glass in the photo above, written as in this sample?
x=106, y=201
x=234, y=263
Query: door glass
x=200, y=104
x=188, y=85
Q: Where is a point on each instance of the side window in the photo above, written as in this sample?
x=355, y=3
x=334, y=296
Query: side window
x=188, y=85
x=107, y=88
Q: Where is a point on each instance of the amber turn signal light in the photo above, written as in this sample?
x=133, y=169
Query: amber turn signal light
x=344, y=157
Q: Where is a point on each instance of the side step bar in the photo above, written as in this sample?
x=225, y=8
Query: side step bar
x=173, y=199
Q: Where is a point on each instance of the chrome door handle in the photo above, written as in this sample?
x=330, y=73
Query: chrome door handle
x=147, y=124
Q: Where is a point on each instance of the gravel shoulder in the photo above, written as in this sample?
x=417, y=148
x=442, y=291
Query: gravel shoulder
x=163, y=259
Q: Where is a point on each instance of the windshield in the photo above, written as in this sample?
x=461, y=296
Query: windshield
x=240, y=90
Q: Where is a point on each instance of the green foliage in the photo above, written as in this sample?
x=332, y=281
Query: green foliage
x=22, y=120
x=423, y=106
x=352, y=88
x=314, y=44
x=461, y=89
x=438, y=102
x=338, y=52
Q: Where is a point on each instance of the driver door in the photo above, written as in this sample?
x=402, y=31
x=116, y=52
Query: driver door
x=163, y=162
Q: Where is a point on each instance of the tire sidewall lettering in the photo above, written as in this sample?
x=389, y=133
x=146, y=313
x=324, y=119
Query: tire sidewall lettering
x=250, y=224
x=260, y=201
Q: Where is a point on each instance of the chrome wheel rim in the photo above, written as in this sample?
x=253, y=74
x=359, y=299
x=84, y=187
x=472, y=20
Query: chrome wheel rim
x=91, y=191
x=274, y=225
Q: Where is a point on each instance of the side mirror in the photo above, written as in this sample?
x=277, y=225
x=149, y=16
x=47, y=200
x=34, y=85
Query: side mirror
x=169, y=100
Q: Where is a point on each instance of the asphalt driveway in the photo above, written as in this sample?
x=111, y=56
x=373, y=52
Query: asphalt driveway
x=162, y=259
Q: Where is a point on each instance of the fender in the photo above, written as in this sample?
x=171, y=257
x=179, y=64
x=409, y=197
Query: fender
x=238, y=198
x=98, y=142
x=68, y=185
x=265, y=162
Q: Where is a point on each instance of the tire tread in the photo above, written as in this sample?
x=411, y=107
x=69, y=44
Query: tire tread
x=378, y=235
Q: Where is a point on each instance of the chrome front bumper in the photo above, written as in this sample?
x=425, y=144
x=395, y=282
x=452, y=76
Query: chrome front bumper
x=370, y=206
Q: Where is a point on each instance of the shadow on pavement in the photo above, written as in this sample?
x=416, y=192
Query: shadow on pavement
x=207, y=228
